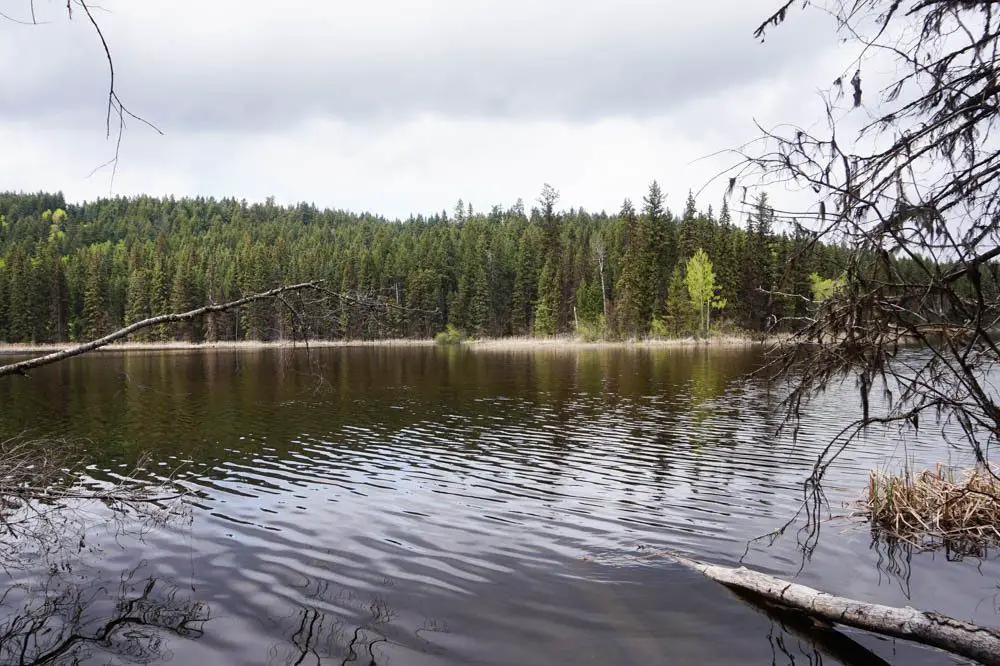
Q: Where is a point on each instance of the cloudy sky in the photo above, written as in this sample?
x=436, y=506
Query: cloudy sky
x=402, y=106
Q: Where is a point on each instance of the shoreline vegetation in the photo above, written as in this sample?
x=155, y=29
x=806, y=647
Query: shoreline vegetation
x=80, y=271
x=499, y=344
x=942, y=508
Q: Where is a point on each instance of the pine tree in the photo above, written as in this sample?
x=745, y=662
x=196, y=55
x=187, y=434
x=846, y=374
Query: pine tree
x=688, y=241
x=758, y=266
x=422, y=288
x=58, y=314
x=658, y=251
x=159, y=294
x=19, y=309
x=678, y=315
x=137, y=299
x=184, y=297
x=4, y=300
x=634, y=306
x=526, y=281
x=95, y=310
x=548, y=301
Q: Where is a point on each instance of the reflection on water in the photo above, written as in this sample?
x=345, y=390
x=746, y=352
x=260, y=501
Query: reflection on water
x=69, y=616
x=449, y=506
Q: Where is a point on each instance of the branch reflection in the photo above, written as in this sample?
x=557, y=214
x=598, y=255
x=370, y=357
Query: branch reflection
x=69, y=618
x=345, y=627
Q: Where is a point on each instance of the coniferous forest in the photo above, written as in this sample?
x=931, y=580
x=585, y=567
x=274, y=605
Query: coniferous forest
x=72, y=272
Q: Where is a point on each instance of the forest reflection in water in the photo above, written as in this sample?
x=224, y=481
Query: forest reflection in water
x=446, y=506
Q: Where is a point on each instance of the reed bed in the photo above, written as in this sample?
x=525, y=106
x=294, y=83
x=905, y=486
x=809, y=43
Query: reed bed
x=936, y=508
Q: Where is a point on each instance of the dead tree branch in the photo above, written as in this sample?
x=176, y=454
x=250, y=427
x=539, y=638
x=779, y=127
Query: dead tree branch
x=913, y=198
x=22, y=367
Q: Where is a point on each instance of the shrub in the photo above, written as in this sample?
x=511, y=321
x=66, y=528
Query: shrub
x=590, y=330
x=449, y=336
x=658, y=328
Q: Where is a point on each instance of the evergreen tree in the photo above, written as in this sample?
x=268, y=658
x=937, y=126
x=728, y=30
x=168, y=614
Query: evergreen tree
x=19, y=289
x=493, y=273
x=548, y=296
x=678, y=315
x=526, y=281
x=137, y=299
x=688, y=241
x=159, y=293
x=758, y=266
x=95, y=311
x=635, y=294
x=659, y=251
x=183, y=297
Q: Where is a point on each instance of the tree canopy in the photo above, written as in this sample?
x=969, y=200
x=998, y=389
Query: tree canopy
x=76, y=271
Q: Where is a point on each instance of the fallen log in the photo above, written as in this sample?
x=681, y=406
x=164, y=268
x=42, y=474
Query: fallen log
x=968, y=640
x=823, y=636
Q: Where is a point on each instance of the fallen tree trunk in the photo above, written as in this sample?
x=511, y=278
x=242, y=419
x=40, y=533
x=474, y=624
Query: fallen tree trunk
x=22, y=367
x=968, y=640
x=821, y=635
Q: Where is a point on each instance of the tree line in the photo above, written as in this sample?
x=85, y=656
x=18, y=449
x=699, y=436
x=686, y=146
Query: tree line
x=73, y=272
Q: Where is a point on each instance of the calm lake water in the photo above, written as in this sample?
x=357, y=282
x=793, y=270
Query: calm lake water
x=431, y=506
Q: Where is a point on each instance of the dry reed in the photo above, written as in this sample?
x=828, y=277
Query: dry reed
x=936, y=508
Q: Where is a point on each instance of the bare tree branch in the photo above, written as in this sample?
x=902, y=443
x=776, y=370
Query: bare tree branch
x=913, y=199
x=22, y=367
x=115, y=104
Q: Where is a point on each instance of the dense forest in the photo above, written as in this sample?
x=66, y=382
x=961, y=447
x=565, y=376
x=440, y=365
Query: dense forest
x=77, y=271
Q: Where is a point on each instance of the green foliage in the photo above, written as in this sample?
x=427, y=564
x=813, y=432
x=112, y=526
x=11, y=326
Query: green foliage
x=758, y=266
x=700, y=280
x=548, y=301
x=449, y=336
x=635, y=298
x=589, y=304
x=591, y=330
x=71, y=271
x=658, y=328
x=678, y=315
x=824, y=288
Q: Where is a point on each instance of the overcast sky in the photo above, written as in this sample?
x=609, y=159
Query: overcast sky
x=402, y=106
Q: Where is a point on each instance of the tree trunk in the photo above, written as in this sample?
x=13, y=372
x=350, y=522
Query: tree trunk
x=968, y=640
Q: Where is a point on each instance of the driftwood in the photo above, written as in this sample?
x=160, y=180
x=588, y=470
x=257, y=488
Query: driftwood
x=968, y=640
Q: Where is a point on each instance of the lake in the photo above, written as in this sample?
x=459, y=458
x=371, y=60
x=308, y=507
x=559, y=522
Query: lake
x=446, y=506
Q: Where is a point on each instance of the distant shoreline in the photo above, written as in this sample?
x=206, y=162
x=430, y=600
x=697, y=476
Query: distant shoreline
x=490, y=344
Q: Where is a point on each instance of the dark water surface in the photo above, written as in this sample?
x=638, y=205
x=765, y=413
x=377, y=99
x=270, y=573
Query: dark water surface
x=419, y=505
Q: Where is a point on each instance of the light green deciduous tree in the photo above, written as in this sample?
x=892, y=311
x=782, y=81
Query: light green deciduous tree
x=701, y=286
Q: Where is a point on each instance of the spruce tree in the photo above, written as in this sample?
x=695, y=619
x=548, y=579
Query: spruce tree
x=548, y=300
x=19, y=289
x=95, y=312
x=635, y=297
x=688, y=241
x=678, y=315
x=658, y=254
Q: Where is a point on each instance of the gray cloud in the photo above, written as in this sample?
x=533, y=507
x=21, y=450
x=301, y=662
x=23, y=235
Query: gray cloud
x=251, y=66
x=402, y=106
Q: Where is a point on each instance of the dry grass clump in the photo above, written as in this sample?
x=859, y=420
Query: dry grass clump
x=936, y=508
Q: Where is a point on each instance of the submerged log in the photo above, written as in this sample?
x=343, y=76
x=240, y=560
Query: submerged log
x=823, y=636
x=968, y=640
